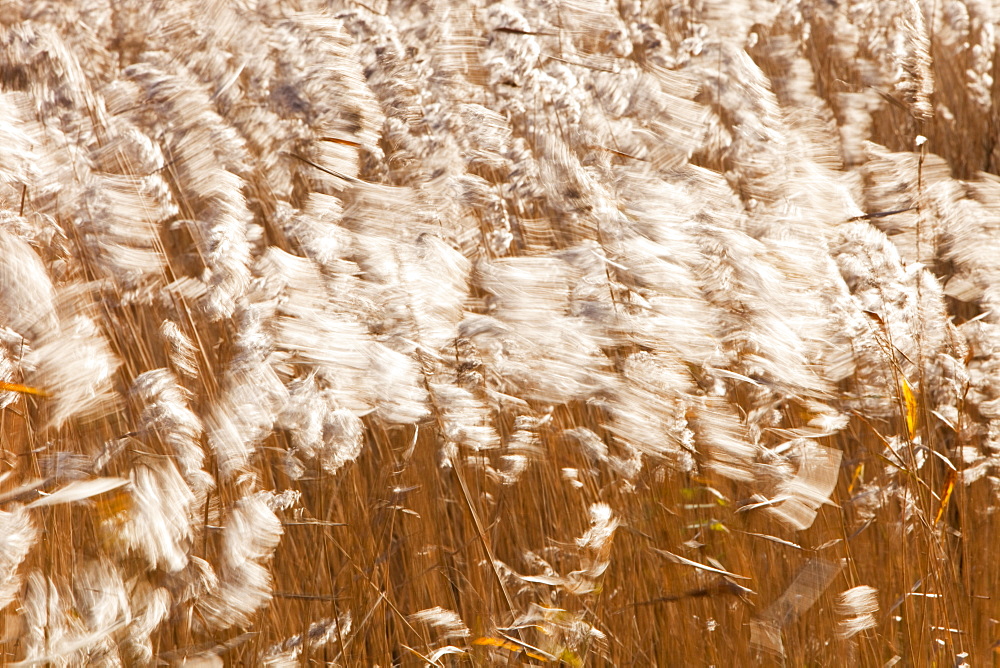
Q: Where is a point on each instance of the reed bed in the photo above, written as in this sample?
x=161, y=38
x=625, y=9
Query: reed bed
x=466, y=333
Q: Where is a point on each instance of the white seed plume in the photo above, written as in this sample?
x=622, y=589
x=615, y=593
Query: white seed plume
x=166, y=415
x=858, y=606
x=19, y=536
x=320, y=634
x=251, y=533
x=158, y=526
x=182, y=349
x=27, y=299
x=446, y=623
x=602, y=528
x=75, y=365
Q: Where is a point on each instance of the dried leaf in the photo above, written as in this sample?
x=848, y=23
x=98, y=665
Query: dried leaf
x=78, y=490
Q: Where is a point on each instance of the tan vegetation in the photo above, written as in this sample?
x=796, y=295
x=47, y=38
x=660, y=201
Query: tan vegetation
x=527, y=332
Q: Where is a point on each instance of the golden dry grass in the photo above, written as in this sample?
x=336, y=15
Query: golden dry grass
x=458, y=333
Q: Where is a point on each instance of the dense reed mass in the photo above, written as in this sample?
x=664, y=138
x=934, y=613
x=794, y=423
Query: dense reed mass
x=468, y=333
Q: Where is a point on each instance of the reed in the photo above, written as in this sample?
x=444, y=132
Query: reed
x=470, y=333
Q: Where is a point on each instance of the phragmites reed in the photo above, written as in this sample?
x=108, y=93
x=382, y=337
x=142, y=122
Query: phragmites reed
x=472, y=333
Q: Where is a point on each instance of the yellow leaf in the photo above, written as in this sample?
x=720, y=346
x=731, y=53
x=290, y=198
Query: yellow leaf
x=570, y=658
x=506, y=644
x=949, y=487
x=23, y=389
x=493, y=642
x=911, y=409
x=858, y=472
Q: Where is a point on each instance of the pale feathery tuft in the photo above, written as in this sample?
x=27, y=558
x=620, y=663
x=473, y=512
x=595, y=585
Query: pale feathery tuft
x=916, y=81
x=167, y=417
x=320, y=634
x=158, y=524
x=183, y=353
x=19, y=535
x=76, y=366
x=249, y=537
x=858, y=606
x=446, y=624
x=28, y=304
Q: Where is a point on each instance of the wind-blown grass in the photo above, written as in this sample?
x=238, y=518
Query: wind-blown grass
x=459, y=333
